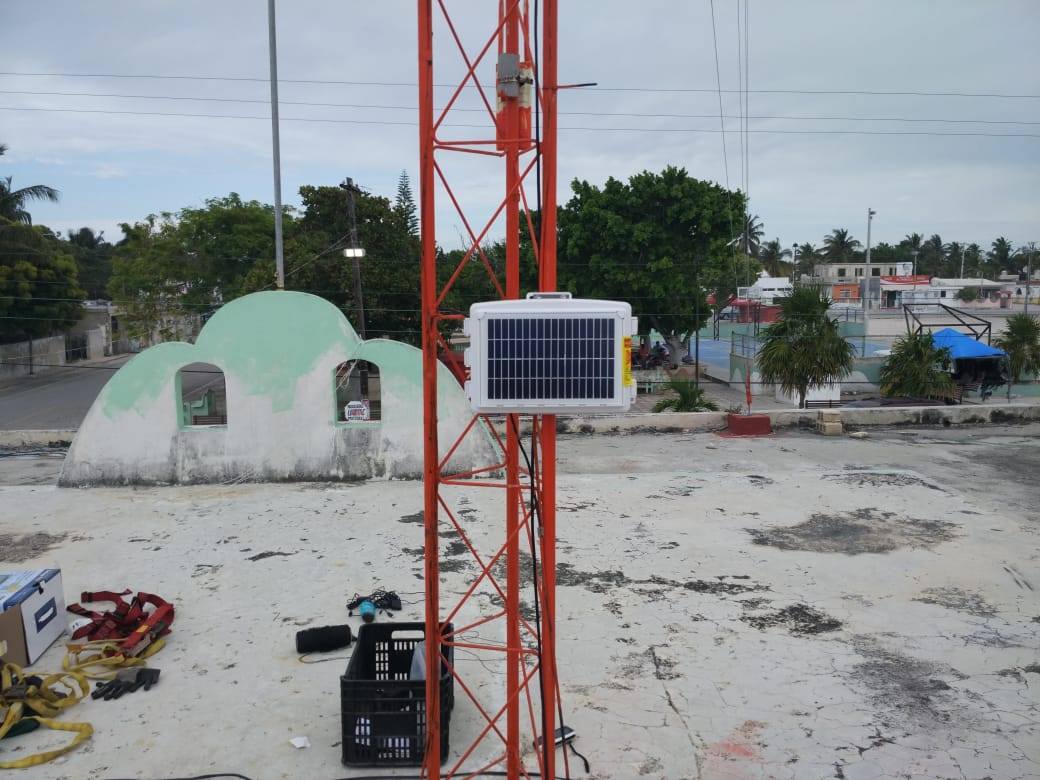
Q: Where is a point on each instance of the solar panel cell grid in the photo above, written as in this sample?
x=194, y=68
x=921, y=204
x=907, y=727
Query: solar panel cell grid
x=550, y=357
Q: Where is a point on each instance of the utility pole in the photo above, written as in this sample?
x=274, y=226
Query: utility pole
x=867, y=276
x=1029, y=276
x=354, y=251
x=279, y=258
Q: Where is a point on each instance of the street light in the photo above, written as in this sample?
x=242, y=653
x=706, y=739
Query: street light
x=354, y=252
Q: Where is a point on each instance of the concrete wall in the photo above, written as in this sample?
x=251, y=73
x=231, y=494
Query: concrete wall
x=278, y=352
x=47, y=354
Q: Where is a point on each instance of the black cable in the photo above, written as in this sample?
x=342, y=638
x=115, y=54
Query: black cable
x=916, y=93
x=574, y=128
x=379, y=107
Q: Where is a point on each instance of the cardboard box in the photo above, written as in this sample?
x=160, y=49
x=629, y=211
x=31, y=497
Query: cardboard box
x=32, y=613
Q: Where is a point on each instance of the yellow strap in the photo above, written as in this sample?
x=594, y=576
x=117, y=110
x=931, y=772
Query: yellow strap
x=45, y=700
x=81, y=730
x=100, y=660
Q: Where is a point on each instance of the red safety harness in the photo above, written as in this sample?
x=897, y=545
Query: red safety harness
x=129, y=625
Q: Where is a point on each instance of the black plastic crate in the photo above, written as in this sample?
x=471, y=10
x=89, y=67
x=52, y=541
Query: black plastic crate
x=384, y=712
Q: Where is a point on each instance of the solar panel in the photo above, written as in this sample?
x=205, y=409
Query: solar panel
x=539, y=355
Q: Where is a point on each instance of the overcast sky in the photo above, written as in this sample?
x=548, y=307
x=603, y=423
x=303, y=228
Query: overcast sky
x=113, y=167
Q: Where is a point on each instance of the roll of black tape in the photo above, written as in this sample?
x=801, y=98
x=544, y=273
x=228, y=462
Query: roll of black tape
x=323, y=639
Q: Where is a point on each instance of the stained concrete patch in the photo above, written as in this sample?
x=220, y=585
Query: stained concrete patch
x=797, y=619
x=417, y=518
x=881, y=479
x=959, y=600
x=909, y=688
x=269, y=554
x=861, y=531
x=16, y=548
x=611, y=579
x=1021, y=672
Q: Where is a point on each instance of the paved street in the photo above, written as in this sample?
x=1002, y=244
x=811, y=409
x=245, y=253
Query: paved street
x=60, y=399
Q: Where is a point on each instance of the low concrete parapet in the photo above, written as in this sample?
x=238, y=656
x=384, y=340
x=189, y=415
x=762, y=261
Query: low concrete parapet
x=851, y=418
x=16, y=440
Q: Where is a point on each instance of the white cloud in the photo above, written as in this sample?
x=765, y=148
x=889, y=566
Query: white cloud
x=801, y=185
x=105, y=171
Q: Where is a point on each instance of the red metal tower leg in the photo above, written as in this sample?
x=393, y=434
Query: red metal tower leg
x=547, y=69
x=509, y=116
x=527, y=662
x=431, y=468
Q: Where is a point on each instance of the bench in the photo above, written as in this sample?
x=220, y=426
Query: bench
x=829, y=404
x=209, y=419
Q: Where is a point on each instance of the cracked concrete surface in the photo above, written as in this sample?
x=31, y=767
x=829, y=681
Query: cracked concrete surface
x=686, y=649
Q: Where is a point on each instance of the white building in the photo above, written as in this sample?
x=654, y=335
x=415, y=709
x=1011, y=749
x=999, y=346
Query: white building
x=767, y=289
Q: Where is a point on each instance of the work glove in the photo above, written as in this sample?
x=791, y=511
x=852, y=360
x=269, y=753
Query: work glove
x=126, y=681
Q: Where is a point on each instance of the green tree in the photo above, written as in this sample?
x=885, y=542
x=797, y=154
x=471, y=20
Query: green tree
x=389, y=269
x=932, y=257
x=1001, y=255
x=154, y=284
x=772, y=255
x=13, y=202
x=803, y=349
x=39, y=289
x=656, y=240
x=883, y=252
x=973, y=260
x=954, y=257
x=917, y=368
x=750, y=239
x=404, y=204
x=806, y=256
x=968, y=294
x=93, y=259
x=839, y=246
x=686, y=397
x=1021, y=341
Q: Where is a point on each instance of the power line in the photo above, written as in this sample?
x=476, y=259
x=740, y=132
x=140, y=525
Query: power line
x=339, y=82
x=655, y=115
x=575, y=128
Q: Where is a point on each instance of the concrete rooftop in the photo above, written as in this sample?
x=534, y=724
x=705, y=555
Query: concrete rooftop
x=790, y=607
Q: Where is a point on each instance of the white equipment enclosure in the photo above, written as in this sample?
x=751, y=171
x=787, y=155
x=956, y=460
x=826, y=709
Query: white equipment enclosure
x=550, y=354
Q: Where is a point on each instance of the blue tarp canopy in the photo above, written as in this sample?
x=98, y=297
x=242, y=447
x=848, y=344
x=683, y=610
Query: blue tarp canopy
x=962, y=346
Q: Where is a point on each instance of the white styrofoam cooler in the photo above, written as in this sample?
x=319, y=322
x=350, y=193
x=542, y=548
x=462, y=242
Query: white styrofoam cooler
x=32, y=613
x=621, y=390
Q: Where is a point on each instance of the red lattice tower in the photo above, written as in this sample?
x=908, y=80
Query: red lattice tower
x=508, y=119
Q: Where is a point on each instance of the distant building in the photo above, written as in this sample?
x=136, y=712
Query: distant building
x=843, y=282
x=896, y=291
x=767, y=289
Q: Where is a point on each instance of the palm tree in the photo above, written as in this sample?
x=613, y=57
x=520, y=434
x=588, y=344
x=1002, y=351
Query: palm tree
x=805, y=257
x=15, y=221
x=973, y=260
x=1021, y=340
x=750, y=238
x=803, y=348
x=954, y=256
x=1001, y=253
x=839, y=246
x=932, y=256
x=917, y=368
x=12, y=202
x=772, y=255
x=688, y=398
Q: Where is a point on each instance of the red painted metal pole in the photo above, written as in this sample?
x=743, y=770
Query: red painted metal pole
x=547, y=70
x=431, y=466
x=510, y=119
